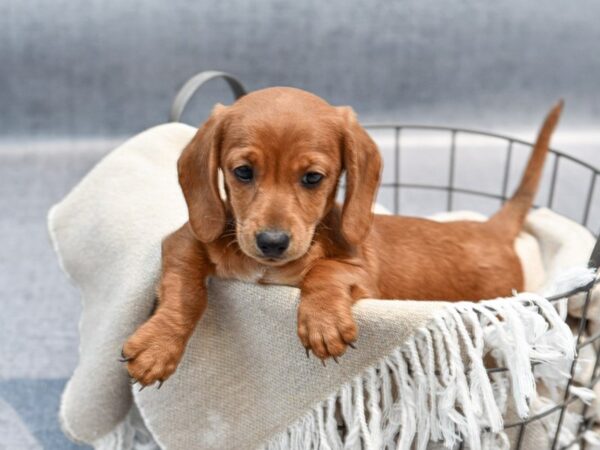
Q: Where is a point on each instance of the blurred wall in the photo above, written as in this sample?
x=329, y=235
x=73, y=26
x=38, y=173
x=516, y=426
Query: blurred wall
x=110, y=68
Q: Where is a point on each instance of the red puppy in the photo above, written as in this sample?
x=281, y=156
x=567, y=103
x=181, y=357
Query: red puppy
x=282, y=152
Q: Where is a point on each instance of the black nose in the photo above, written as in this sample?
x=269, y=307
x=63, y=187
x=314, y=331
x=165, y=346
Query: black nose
x=272, y=242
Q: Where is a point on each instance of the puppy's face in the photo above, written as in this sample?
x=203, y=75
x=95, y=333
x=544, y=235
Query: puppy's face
x=281, y=152
x=281, y=173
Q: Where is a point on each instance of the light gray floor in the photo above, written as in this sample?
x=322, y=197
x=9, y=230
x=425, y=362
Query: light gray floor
x=39, y=308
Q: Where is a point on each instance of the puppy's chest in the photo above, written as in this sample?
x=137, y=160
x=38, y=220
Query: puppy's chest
x=261, y=274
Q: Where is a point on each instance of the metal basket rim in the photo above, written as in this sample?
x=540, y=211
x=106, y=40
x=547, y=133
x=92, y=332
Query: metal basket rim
x=400, y=126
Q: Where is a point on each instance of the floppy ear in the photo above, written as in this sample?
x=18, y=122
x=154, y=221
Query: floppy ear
x=198, y=177
x=362, y=163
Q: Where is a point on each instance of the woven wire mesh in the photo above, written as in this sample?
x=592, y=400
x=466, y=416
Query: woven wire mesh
x=449, y=187
x=499, y=179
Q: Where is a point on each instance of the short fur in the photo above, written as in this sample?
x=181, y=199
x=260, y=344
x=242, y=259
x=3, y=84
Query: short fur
x=337, y=255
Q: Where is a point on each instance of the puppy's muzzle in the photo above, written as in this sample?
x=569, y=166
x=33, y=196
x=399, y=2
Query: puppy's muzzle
x=272, y=243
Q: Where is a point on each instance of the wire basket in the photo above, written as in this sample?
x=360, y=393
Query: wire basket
x=452, y=147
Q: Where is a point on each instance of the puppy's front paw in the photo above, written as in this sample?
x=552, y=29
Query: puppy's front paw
x=327, y=330
x=152, y=354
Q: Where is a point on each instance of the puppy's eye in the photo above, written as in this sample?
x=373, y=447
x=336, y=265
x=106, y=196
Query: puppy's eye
x=311, y=179
x=244, y=173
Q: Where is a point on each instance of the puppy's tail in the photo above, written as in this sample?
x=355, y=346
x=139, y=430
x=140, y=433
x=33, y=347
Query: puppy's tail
x=512, y=215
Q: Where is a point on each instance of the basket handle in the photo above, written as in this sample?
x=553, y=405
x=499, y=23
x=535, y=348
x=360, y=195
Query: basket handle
x=190, y=87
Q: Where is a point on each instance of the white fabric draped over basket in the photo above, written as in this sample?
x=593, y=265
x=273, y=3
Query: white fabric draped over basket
x=417, y=374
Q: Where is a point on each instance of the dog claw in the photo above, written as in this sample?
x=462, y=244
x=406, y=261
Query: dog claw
x=160, y=383
x=124, y=358
x=323, y=362
x=335, y=359
x=352, y=345
x=307, y=352
x=141, y=388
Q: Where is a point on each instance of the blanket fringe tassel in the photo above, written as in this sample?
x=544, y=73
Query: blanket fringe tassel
x=435, y=387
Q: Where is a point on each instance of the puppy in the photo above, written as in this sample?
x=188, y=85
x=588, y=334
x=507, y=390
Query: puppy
x=282, y=151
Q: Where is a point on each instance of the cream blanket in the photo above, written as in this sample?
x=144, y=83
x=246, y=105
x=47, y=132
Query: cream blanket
x=417, y=374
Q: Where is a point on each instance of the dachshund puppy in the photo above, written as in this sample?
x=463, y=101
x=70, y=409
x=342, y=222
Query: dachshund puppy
x=282, y=151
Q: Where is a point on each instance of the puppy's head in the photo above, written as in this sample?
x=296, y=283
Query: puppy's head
x=281, y=151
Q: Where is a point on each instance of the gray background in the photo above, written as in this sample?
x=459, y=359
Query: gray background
x=110, y=68
x=77, y=78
